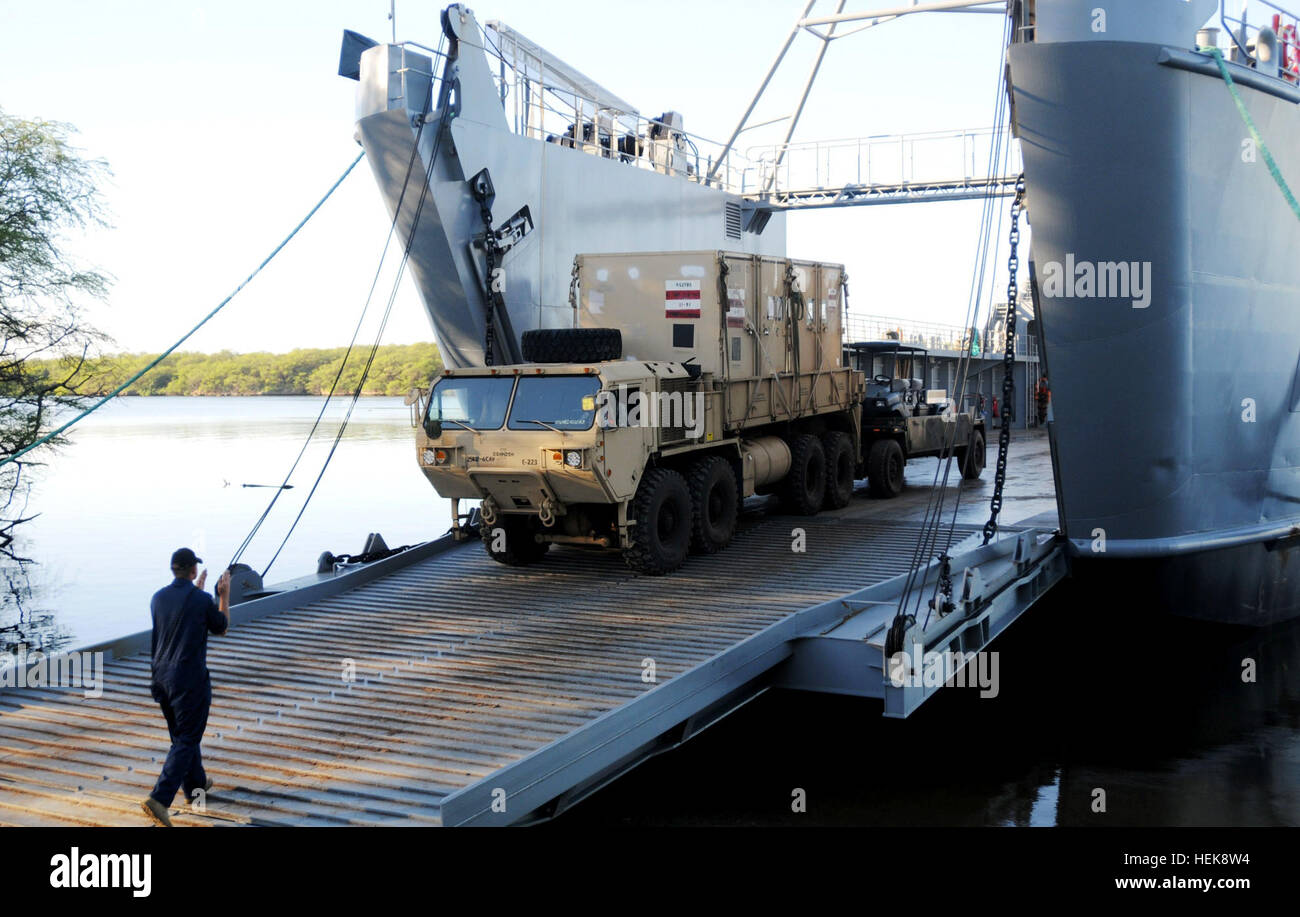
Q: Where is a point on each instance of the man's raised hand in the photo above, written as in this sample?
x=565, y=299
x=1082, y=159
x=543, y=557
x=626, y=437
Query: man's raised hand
x=203, y=578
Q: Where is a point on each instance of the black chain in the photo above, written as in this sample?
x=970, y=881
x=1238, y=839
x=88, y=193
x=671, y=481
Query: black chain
x=944, y=588
x=1008, y=365
x=489, y=295
x=481, y=185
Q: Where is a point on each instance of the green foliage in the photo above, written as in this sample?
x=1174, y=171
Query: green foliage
x=47, y=190
x=397, y=369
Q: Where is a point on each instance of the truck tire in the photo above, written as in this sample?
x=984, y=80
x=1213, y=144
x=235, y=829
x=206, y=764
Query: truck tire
x=885, y=468
x=572, y=345
x=662, y=534
x=804, y=488
x=518, y=546
x=972, y=457
x=839, y=469
x=715, y=503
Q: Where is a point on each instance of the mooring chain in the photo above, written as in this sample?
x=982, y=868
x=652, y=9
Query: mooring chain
x=489, y=279
x=1008, y=364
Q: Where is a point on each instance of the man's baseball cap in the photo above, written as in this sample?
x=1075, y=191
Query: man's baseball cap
x=184, y=557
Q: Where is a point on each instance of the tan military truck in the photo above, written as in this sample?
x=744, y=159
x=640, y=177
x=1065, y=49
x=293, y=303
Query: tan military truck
x=689, y=381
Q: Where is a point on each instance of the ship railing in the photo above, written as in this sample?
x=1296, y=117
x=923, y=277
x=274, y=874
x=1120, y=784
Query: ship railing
x=937, y=337
x=559, y=114
x=439, y=57
x=951, y=157
x=1243, y=39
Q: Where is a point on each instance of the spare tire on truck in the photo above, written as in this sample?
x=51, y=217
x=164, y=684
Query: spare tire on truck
x=572, y=345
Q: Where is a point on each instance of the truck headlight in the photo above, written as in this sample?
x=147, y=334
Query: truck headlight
x=573, y=458
x=428, y=457
x=436, y=456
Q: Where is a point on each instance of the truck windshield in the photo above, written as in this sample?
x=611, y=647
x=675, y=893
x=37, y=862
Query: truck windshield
x=563, y=402
x=478, y=402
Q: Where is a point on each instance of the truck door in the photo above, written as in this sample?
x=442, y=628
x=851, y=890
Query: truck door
x=774, y=354
x=742, y=319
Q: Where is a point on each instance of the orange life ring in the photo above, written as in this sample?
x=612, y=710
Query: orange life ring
x=1290, y=52
x=1290, y=42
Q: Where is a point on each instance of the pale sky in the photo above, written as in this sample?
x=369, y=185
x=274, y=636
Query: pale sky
x=223, y=123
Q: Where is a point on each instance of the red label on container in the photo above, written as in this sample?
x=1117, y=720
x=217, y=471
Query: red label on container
x=681, y=299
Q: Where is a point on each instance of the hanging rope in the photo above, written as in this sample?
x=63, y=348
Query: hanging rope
x=1254, y=132
x=444, y=103
x=338, y=375
x=166, y=353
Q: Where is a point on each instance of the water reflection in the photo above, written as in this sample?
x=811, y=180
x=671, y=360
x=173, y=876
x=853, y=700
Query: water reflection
x=144, y=476
x=1094, y=695
x=26, y=620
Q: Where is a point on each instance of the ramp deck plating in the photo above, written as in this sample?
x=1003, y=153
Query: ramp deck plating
x=463, y=668
x=469, y=678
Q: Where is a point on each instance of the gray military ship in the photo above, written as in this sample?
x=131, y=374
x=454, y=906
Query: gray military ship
x=1167, y=262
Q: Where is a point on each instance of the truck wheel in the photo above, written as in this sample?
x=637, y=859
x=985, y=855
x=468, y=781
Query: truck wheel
x=571, y=345
x=839, y=469
x=885, y=468
x=972, y=461
x=511, y=541
x=662, y=534
x=804, y=488
x=715, y=502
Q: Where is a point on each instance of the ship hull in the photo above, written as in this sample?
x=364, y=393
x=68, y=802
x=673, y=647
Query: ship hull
x=1175, y=395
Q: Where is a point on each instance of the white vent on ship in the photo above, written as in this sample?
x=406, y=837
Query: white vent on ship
x=731, y=219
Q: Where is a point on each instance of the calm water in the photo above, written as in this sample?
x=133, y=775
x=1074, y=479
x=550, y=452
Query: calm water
x=143, y=476
x=1094, y=694
x=1153, y=712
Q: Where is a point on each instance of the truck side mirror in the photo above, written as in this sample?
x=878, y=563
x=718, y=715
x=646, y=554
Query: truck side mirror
x=416, y=400
x=432, y=428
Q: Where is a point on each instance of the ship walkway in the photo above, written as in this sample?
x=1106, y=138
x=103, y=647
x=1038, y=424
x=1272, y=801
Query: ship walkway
x=440, y=688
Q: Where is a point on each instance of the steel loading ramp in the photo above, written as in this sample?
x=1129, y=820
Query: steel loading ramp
x=480, y=694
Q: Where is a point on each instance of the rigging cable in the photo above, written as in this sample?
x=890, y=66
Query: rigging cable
x=445, y=106
x=185, y=337
x=392, y=228
x=929, y=534
x=1254, y=132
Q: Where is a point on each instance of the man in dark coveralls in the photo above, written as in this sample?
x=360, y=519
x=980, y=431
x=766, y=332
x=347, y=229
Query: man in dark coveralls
x=183, y=616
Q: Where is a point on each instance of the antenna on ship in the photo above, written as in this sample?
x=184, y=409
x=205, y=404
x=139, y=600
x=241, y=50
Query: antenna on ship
x=392, y=17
